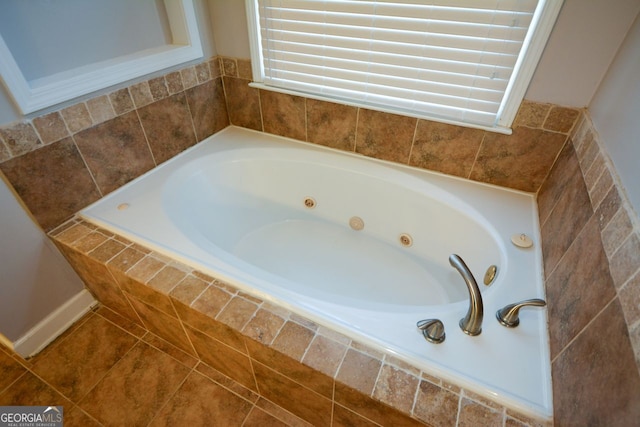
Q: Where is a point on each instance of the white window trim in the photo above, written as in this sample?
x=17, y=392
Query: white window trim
x=534, y=44
x=44, y=92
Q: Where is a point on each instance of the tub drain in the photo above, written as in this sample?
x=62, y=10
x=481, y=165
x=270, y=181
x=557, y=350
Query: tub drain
x=406, y=240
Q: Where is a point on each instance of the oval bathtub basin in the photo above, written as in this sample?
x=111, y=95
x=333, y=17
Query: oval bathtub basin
x=249, y=205
x=356, y=244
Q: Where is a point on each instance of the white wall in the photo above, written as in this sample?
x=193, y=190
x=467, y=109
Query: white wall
x=229, y=22
x=583, y=42
x=615, y=111
x=35, y=279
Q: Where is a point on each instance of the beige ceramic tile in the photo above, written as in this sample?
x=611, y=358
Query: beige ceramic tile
x=332, y=125
x=531, y=114
x=51, y=127
x=445, y=148
x=90, y=242
x=226, y=360
x=293, y=340
x=625, y=262
x=263, y=327
x=121, y=101
x=243, y=103
x=158, y=88
x=174, y=82
x=284, y=114
x=237, y=313
x=96, y=347
x=165, y=326
x=200, y=401
x=435, y=405
x=325, y=355
x=10, y=370
x=106, y=251
x=290, y=368
x=20, y=138
x=561, y=119
x=29, y=390
x=203, y=72
x=596, y=377
x=230, y=67
x=396, y=388
x=307, y=405
x=126, y=259
x=188, y=289
x=166, y=279
x=189, y=77
x=214, y=67
x=359, y=371
x=141, y=94
x=145, y=269
x=77, y=117
x=100, y=109
x=244, y=69
x=136, y=388
x=474, y=414
x=385, y=136
x=52, y=181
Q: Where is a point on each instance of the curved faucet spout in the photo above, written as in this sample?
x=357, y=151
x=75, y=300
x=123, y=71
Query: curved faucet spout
x=471, y=324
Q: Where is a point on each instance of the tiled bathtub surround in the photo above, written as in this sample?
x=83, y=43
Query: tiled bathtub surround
x=62, y=161
x=591, y=252
x=267, y=349
x=521, y=160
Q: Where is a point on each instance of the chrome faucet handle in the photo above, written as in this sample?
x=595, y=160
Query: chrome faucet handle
x=509, y=315
x=432, y=330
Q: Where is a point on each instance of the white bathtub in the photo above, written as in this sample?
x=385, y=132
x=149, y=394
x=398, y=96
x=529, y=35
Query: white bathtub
x=272, y=216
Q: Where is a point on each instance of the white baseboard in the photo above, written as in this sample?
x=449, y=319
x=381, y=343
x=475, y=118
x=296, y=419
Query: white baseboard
x=54, y=324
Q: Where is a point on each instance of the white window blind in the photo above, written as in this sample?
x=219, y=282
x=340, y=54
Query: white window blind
x=447, y=59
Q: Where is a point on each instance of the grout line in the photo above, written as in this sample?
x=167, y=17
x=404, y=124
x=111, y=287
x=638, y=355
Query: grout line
x=457, y=422
x=260, y=108
x=584, y=328
x=186, y=99
x=475, y=159
x=170, y=398
x=413, y=141
x=553, y=164
x=355, y=133
x=86, y=165
x=26, y=370
x=144, y=132
x=184, y=329
x=564, y=254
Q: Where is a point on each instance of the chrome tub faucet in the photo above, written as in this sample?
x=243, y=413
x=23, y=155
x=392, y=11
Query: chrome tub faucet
x=471, y=323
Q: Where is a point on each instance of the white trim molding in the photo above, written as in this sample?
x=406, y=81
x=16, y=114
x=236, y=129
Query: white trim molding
x=44, y=92
x=54, y=324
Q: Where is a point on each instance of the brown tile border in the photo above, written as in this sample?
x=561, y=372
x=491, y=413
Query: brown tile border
x=520, y=161
x=591, y=252
x=619, y=223
x=261, y=345
x=110, y=139
x=194, y=103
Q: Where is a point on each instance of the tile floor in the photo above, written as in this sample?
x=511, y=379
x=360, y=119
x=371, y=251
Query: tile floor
x=108, y=371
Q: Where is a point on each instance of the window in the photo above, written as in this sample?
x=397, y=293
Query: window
x=22, y=73
x=466, y=62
